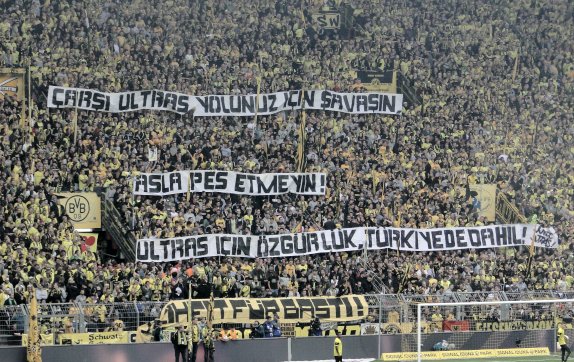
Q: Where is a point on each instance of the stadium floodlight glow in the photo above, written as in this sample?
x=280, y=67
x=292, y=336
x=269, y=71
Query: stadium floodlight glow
x=552, y=304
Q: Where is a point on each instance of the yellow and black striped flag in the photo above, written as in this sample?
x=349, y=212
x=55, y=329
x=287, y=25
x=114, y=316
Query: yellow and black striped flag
x=34, y=353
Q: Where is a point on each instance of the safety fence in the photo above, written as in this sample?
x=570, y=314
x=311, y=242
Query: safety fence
x=392, y=313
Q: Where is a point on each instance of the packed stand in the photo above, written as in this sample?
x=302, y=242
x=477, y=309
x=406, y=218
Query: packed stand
x=481, y=121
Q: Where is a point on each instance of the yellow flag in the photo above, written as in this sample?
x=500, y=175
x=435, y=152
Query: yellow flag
x=34, y=353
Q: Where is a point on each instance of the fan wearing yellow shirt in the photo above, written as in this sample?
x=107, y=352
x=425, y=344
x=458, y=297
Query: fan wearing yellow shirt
x=338, y=347
x=563, y=342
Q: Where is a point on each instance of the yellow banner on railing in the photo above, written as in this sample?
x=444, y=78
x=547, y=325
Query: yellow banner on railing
x=290, y=310
x=96, y=338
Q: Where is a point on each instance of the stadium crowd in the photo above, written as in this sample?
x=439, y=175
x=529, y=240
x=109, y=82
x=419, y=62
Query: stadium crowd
x=496, y=79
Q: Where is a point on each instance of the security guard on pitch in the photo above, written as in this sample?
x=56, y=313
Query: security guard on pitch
x=338, y=347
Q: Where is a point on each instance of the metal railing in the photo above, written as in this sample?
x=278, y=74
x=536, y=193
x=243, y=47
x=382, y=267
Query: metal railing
x=382, y=308
x=112, y=223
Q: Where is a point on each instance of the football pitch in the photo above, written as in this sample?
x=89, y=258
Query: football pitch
x=551, y=358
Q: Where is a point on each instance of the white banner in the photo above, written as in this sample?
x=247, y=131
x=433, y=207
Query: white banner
x=252, y=246
x=229, y=182
x=225, y=105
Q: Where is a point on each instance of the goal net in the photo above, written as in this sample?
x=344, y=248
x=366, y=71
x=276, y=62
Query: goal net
x=491, y=325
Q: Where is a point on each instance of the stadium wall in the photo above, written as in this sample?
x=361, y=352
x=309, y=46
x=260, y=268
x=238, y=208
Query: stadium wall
x=271, y=350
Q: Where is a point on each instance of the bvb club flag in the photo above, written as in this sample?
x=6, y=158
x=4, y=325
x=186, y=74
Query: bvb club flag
x=34, y=353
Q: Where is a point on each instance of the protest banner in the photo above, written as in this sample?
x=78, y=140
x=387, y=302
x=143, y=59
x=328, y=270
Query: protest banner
x=350, y=239
x=225, y=105
x=229, y=182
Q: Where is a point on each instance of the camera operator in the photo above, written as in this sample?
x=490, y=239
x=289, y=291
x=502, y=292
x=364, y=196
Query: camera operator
x=315, y=329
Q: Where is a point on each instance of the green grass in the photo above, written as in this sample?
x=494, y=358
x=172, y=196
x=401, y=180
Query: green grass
x=551, y=358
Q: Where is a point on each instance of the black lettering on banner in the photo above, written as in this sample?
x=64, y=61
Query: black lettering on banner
x=220, y=307
x=99, y=102
x=449, y=240
x=177, y=250
x=358, y=306
x=133, y=104
x=336, y=305
x=239, y=187
x=124, y=106
x=487, y=237
x=349, y=106
x=326, y=246
x=221, y=180
x=202, y=246
x=86, y=97
x=373, y=102
x=405, y=239
x=243, y=245
x=143, y=250
x=155, y=183
x=240, y=308
x=310, y=183
x=348, y=308
x=501, y=236
x=165, y=245
x=337, y=99
x=269, y=307
x=313, y=243
x=55, y=97
x=338, y=239
x=309, y=98
x=436, y=239
x=274, y=241
x=283, y=183
x=300, y=244
x=389, y=103
x=196, y=179
x=145, y=95
x=237, y=107
x=348, y=238
x=170, y=101
x=290, y=309
x=272, y=188
x=306, y=308
x=460, y=242
x=262, y=247
x=362, y=102
x=257, y=309
x=322, y=308
x=225, y=244
x=203, y=103
x=189, y=247
x=395, y=238
x=209, y=183
x=326, y=99
x=474, y=238
x=175, y=311
x=70, y=95
x=248, y=104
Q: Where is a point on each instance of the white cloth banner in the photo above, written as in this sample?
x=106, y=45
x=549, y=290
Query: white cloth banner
x=229, y=182
x=352, y=239
x=225, y=105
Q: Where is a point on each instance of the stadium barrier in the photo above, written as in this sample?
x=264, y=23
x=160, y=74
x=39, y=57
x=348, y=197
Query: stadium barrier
x=268, y=349
x=387, y=314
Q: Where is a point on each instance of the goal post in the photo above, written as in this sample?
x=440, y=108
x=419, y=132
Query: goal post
x=489, y=325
